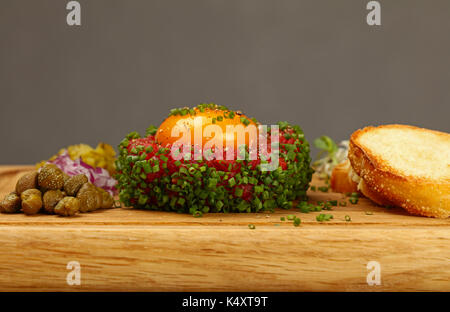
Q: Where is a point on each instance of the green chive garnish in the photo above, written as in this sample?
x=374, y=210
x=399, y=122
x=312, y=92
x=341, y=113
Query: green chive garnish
x=324, y=217
x=353, y=200
x=238, y=192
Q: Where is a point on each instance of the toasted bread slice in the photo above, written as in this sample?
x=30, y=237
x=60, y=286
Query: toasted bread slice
x=340, y=180
x=405, y=166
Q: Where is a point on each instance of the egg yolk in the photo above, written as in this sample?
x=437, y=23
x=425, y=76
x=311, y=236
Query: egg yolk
x=208, y=124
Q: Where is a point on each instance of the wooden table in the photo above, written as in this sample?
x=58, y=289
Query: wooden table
x=131, y=250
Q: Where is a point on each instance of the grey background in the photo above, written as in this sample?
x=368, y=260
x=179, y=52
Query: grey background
x=315, y=63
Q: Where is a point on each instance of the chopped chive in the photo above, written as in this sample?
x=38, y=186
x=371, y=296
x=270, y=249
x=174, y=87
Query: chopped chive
x=290, y=217
x=324, y=217
x=143, y=156
x=142, y=199
x=323, y=189
x=347, y=218
x=212, y=183
x=282, y=219
x=353, y=200
x=183, y=170
x=327, y=206
x=147, y=168
x=251, y=226
x=238, y=192
x=305, y=207
x=318, y=208
x=258, y=189
x=297, y=221
x=245, y=121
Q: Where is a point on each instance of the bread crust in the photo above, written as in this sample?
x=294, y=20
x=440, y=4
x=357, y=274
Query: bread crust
x=373, y=195
x=385, y=184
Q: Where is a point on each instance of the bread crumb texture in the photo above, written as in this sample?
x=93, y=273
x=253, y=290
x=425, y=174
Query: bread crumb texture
x=409, y=150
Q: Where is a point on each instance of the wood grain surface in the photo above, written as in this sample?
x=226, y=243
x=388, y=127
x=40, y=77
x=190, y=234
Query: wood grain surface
x=125, y=249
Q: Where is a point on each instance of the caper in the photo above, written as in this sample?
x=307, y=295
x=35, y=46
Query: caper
x=26, y=182
x=10, y=204
x=51, y=199
x=31, y=201
x=73, y=184
x=99, y=199
x=68, y=206
x=66, y=177
x=51, y=177
x=88, y=197
x=107, y=200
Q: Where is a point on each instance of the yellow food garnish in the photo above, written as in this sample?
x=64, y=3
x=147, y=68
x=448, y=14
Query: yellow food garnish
x=103, y=156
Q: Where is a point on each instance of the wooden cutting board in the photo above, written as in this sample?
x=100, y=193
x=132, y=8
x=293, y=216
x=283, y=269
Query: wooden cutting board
x=125, y=249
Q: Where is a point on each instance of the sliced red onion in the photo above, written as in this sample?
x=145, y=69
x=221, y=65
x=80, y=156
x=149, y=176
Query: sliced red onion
x=98, y=176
